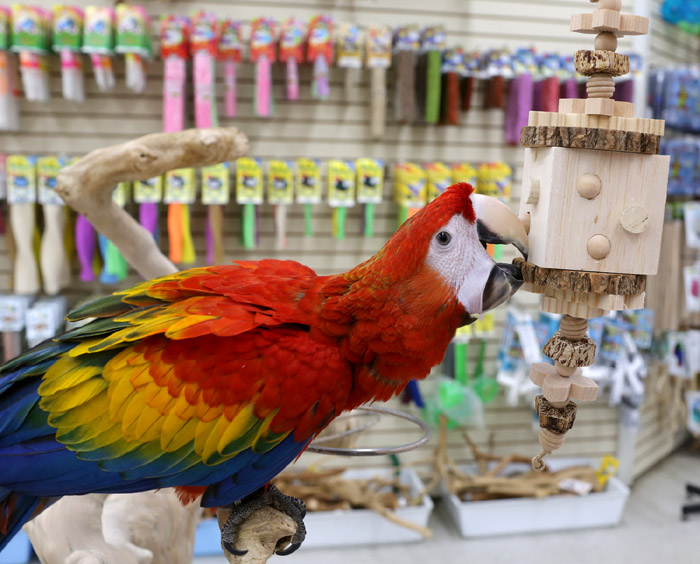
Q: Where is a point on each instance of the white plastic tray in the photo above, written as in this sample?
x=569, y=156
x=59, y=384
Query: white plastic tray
x=530, y=515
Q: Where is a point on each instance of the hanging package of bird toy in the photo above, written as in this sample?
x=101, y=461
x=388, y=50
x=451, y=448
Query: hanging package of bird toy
x=9, y=108
x=180, y=186
x=134, y=41
x=280, y=182
x=439, y=179
x=410, y=185
x=204, y=45
x=31, y=32
x=292, y=35
x=148, y=191
x=463, y=172
x=349, y=45
x=216, y=188
x=21, y=179
x=47, y=173
x=98, y=42
x=495, y=179
x=231, y=53
x=174, y=37
x=249, y=181
x=320, y=53
x=309, y=189
x=370, y=181
x=67, y=41
x=174, y=50
x=341, y=183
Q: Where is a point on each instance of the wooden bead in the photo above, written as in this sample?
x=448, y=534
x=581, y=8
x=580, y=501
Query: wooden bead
x=610, y=5
x=635, y=219
x=573, y=328
x=605, y=41
x=598, y=247
x=589, y=186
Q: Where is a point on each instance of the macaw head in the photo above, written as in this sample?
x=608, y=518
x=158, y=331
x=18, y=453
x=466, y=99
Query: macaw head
x=444, y=245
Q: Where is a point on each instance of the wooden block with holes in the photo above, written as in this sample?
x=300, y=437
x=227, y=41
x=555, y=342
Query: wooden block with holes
x=580, y=219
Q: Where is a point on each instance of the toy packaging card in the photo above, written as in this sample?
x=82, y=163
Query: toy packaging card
x=439, y=179
x=379, y=47
x=204, y=34
x=280, y=182
x=463, y=172
x=174, y=36
x=133, y=31
x=231, y=40
x=308, y=185
x=292, y=37
x=5, y=35
x=341, y=183
x=494, y=179
x=31, y=29
x=47, y=171
x=121, y=193
x=180, y=186
x=349, y=45
x=98, y=33
x=407, y=38
x=216, y=187
x=148, y=191
x=692, y=400
x=410, y=185
x=21, y=179
x=320, y=42
x=262, y=39
x=67, y=28
x=370, y=181
x=249, y=181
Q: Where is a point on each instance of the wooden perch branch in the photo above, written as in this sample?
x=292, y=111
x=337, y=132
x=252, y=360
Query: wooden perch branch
x=87, y=185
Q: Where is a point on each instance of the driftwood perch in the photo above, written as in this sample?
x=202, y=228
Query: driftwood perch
x=98, y=529
x=87, y=185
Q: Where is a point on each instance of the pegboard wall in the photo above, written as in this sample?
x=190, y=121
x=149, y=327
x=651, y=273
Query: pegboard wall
x=338, y=128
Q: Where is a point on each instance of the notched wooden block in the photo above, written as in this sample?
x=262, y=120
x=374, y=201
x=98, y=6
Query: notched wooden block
x=620, y=25
x=564, y=307
x=558, y=389
x=600, y=106
x=627, y=180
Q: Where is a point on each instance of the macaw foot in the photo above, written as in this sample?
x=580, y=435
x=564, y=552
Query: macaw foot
x=265, y=496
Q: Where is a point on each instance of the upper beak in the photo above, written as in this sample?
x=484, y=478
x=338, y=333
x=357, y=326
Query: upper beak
x=497, y=224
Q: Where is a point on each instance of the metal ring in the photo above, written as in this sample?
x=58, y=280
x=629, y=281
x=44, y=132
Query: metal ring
x=350, y=415
x=380, y=451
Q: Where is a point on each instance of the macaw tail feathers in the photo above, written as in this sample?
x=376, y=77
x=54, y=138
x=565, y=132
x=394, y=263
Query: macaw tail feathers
x=15, y=510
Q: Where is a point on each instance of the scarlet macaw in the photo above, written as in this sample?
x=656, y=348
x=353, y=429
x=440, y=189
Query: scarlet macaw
x=212, y=380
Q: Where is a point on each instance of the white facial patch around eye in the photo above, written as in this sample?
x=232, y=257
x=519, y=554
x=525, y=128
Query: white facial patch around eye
x=463, y=263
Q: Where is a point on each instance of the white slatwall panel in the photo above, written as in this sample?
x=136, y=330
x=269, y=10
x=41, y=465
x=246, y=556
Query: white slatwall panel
x=669, y=44
x=338, y=128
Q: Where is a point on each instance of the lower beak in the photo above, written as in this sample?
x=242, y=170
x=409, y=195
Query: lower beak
x=503, y=282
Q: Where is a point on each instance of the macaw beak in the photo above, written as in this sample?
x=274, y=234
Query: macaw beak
x=498, y=225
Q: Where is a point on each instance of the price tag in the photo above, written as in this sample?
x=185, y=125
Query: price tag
x=341, y=184
x=280, y=182
x=216, y=188
x=249, y=184
x=180, y=186
x=48, y=169
x=308, y=185
x=148, y=191
x=370, y=181
x=21, y=179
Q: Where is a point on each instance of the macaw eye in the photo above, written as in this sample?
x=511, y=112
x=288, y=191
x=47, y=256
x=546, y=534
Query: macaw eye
x=443, y=238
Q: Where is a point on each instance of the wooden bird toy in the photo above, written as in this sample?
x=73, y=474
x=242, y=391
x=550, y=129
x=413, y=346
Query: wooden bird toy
x=593, y=197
